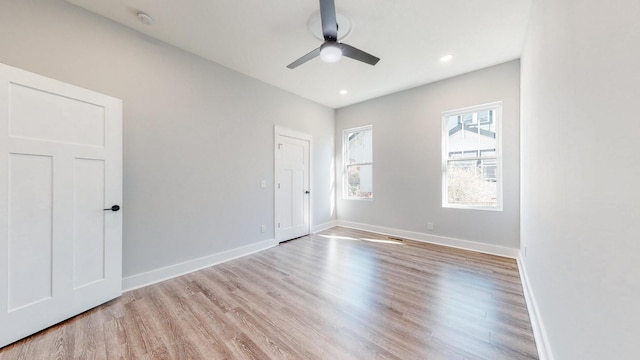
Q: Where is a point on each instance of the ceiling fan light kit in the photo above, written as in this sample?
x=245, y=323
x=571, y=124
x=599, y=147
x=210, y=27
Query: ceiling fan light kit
x=331, y=50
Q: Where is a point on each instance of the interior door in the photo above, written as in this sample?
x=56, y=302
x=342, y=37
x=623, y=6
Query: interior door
x=292, y=188
x=60, y=168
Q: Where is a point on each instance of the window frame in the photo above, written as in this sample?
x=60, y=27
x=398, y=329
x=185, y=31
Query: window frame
x=497, y=106
x=346, y=165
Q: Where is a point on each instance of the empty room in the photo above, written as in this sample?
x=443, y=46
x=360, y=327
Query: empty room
x=319, y=179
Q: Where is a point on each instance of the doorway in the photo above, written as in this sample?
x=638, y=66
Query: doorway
x=292, y=186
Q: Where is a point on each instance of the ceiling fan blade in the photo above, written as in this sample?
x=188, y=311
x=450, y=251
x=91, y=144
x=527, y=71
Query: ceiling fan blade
x=328, y=18
x=357, y=54
x=314, y=53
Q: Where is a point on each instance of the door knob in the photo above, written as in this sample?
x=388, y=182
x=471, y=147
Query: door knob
x=306, y=192
x=114, y=208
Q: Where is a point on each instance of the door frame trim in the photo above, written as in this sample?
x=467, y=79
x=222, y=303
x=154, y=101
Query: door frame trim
x=283, y=131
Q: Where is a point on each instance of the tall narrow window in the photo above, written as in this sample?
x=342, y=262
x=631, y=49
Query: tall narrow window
x=471, y=158
x=357, y=145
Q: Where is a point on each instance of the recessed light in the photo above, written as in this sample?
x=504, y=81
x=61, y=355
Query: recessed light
x=144, y=18
x=343, y=92
x=446, y=58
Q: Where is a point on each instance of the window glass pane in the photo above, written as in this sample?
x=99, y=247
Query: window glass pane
x=455, y=137
x=464, y=136
x=488, y=153
x=359, y=146
x=487, y=140
x=467, y=119
x=472, y=182
x=453, y=122
x=471, y=135
x=360, y=181
x=489, y=168
x=484, y=117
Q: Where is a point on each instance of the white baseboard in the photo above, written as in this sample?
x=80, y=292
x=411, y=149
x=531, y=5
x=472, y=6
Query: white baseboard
x=154, y=276
x=434, y=239
x=539, y=332
x=325, y=226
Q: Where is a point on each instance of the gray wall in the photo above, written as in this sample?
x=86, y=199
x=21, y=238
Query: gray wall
x=407, y=153
x=580, y=171
x=198, y=137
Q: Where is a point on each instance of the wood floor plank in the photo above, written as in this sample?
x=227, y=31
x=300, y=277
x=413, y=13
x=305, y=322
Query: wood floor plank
x=339, y=294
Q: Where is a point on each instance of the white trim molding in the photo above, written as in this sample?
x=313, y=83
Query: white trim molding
x=539, y=332
x=435, y=239
x=279, y=131
x=325, y=226
x=169, y=272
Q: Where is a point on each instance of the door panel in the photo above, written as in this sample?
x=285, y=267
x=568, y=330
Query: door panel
x=292, y=185
x=60, y=167
x=298, y=216
x=88, y=237
x=54, y=117
x=286, y=199
x=30, y=230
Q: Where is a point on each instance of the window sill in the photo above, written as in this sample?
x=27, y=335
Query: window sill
x=470, y=207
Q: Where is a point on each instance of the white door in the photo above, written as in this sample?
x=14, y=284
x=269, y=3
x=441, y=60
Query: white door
x=60, y=167
x=292, y=184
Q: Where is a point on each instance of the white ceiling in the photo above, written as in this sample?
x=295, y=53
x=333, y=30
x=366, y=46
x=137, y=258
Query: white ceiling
x=260, y=38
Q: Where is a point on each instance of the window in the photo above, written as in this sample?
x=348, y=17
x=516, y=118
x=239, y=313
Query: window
x=471, y=160
x=357, y=145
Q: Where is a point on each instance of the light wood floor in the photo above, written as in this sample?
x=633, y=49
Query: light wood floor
x=324, y=296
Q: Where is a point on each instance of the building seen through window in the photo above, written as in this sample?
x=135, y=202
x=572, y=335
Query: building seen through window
x=358, y=161
x=471, y=157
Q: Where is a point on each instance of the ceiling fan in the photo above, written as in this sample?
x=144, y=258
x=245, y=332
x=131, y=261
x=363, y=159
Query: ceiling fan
x=331, y=50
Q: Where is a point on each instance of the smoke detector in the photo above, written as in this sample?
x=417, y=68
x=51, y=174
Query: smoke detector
x=144, y=18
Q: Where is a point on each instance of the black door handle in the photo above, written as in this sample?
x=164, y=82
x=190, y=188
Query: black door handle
x=114, y=208
x=306, y=192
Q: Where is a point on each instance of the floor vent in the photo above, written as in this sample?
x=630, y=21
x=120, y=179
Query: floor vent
x=394, y=238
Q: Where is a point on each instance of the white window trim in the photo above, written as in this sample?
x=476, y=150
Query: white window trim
x=345, y=186
x=499, y=197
